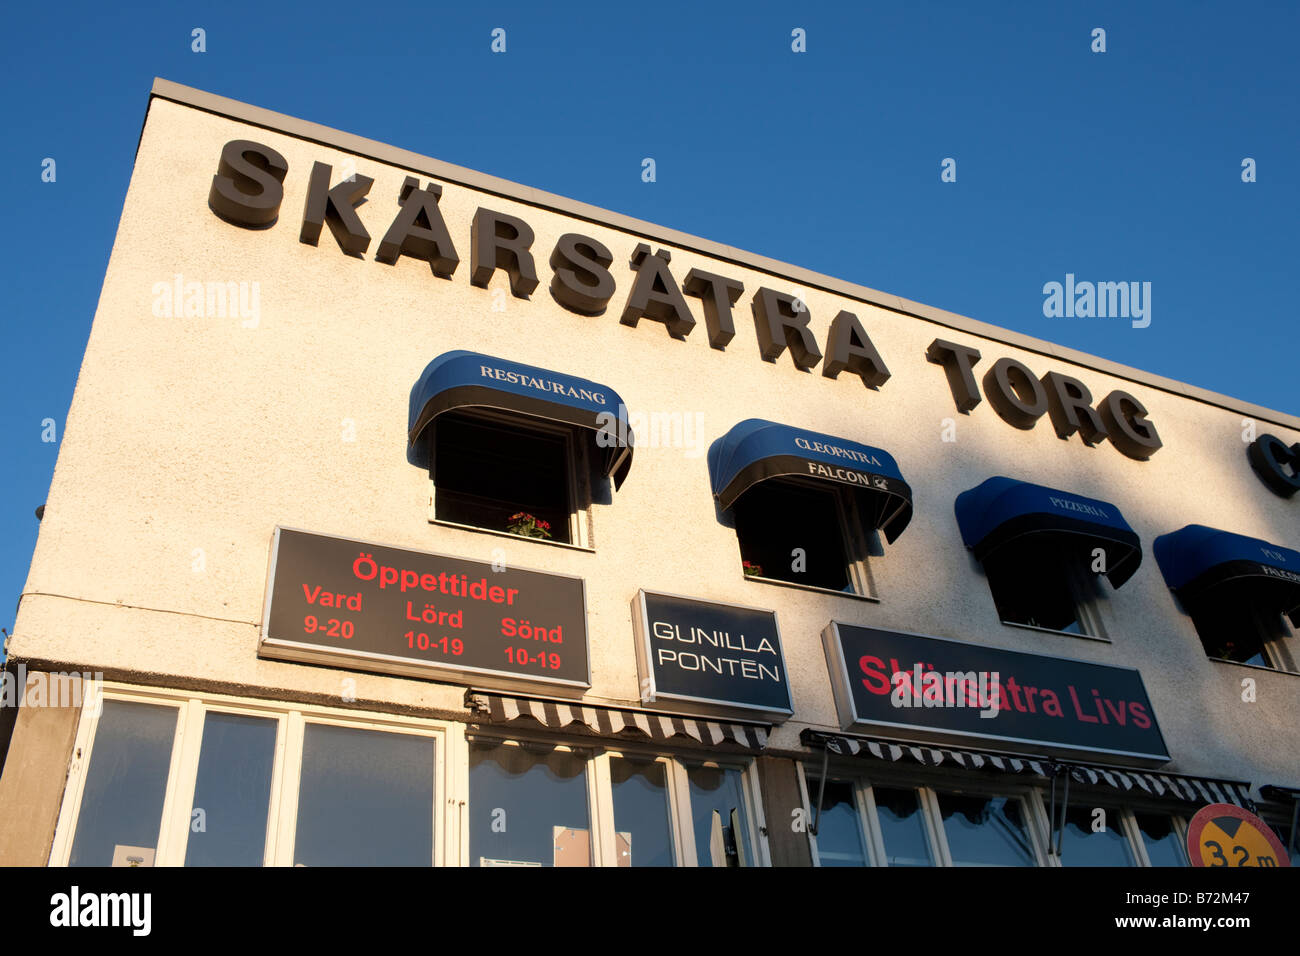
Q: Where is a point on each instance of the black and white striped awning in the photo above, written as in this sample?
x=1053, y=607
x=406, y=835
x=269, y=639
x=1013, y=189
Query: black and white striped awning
x=613, y=722
x=1167, y=786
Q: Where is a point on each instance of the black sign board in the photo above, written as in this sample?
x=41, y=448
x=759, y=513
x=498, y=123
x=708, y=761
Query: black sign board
x=934, y=689
x=711, y=659
x=355, y=604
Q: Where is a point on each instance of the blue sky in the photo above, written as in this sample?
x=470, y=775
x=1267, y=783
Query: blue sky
x=1117, y=166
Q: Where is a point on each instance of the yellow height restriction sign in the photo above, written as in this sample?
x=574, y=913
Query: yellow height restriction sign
x=1224, y=835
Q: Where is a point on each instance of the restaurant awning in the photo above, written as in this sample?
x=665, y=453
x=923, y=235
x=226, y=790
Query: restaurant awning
x=613, y=721
x=1002, y=513
x=755, y=451
x=1197, y=561
x=463, y=379
x=1147, y=783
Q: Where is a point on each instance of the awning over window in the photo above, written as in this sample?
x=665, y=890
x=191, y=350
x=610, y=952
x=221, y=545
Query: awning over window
x=757, y=450
x=613, y=722
x=1197, y=560
x=470, y=380
x=1004, y=513
x=1169, y=786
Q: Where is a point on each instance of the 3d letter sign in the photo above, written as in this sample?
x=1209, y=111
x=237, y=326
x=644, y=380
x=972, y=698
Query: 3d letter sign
x=365, y=606
x=710, y=659
x=955, y=692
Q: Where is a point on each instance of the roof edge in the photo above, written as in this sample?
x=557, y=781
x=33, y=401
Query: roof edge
x=449, y=172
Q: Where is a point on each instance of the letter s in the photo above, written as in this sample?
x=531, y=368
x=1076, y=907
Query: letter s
x=247, y=190
x=875, y=681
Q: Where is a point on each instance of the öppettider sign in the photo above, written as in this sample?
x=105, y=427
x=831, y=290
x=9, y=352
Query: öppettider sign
x=367, y=606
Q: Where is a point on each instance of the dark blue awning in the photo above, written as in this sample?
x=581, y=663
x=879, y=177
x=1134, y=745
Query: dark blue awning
x=1196, y=560
x=757, y=450
x=1002, y=512
x=470, y=380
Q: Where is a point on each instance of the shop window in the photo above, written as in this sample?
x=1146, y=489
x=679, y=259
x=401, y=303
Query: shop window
x=232, y=791
x=247, y=784
x=901, y=820
x=721, y=822
x=528, y=806
x=643, y=834
x=986, y=830
x=1045, y=585
x=1164, y=843
x=121, y=810
x=365, y=798
x=801, y=534
x=1238, y=632
x=839, y=830
x=1093, y=839
x=489, y=471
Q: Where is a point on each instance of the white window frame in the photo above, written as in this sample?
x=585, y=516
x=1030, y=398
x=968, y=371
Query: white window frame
x=578, y=479
x=291, y=720
x=600, y=795
x=857, y=543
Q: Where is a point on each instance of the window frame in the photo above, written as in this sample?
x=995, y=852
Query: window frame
x=858, y=544
x=187, y=742
x=1088, y=594
x=578, y=480
x=929, y=790
x=1275, y=639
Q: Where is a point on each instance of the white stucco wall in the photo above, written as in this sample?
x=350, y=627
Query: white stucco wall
x=200, y=434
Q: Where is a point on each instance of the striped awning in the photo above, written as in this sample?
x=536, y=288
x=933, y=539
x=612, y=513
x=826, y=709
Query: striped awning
x=612, y=721
x=1167, y=786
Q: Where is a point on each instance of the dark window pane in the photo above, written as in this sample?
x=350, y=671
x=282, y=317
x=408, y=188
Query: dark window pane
x=1164, y=847
x=486, y=472
x=1230, y=631
x=527, y=808
x=1082, y=846
x=776, y=517
x=233, y=791
x=718, y=812
x=1031, y=586
x=365, y=798
x=902, y=827
x=839, y=833
x=985, y=831
x=126, y=782
x=641, y=816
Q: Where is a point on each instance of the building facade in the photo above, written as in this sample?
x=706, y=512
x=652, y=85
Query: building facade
x=407, y=515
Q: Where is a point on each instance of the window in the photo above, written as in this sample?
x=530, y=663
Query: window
x=1162, y=839
x=528, y=806
x=533, y=803
x=898, y=825
x=1094, y=836
x=125, y=786
x=168, y=778
x=840, y=840
x=487, y=470
x=986, y=830
x=1046, y=584
x=802, y=533
x=1241, y=632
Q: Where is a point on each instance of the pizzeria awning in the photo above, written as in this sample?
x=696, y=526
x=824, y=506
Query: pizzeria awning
x=1146, y=783
x=756, y=450
x=617, y=722
x=1199, y=563
x=1005, y=514
x=461, y=379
